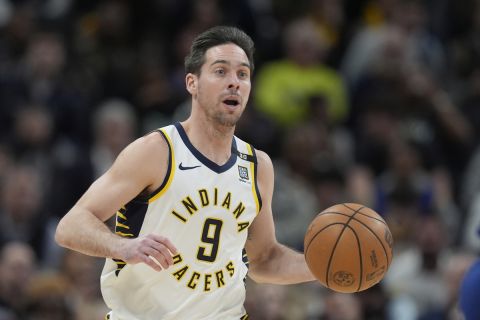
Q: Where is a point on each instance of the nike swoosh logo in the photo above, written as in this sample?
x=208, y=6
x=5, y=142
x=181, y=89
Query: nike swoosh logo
x=181, y=167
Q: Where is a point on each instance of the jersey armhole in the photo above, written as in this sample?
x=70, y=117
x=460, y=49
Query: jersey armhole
x=254, y=167
x=170, y=169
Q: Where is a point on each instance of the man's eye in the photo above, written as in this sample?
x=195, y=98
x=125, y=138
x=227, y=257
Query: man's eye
x=220, y=71
x=243, y=74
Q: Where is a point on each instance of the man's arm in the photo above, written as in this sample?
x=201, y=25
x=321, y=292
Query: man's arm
x=139, y=167
x=270, y=261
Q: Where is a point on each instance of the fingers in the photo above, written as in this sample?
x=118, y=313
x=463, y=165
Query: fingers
x=161, y=258
x=151, y=262
x=154, y=250
x=165, y=241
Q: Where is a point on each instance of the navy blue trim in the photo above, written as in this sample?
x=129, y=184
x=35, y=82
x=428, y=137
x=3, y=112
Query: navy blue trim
x=245, y=156
x=169, y=168
x=134, y=213
x=204, y=160
x=255, y=164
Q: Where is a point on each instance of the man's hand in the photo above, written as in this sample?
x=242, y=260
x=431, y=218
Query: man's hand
x=153, y=250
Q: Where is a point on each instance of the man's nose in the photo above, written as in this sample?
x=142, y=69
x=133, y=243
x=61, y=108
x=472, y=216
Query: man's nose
x=234, y=82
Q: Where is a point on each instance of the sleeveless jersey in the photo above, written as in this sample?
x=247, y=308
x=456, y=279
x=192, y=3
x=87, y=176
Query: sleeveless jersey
x=205, y=210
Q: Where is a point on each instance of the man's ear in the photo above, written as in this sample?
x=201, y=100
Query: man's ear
x=191, y=82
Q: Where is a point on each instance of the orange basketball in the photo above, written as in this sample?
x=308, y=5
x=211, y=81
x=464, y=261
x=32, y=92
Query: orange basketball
x=348, y=247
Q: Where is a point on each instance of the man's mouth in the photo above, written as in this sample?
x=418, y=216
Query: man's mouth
x=230, y=102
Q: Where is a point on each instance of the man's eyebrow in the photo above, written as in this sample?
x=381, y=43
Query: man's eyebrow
x=228, y=62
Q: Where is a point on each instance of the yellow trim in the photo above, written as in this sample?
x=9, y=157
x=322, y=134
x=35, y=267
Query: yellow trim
x=171, y=173
x=124, y=234
x=254, y=190
x=121, y=215
x=118, y=224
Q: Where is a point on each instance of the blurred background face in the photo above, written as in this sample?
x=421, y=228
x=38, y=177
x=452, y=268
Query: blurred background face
x=21, y=183
x=34, y=127
x=114, y=19
x=431, y=236
x=303, y=44
x=115, y=125
x=17, y=265
x=404, y=159
x=46, y=55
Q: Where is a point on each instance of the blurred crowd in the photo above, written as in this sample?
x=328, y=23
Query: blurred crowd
x=368, y=101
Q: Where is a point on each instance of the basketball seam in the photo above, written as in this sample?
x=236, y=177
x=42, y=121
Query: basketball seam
x=365, y=225
x=380, y=219
x=358, y=240
x=316, y=234
x=337, y=241
x=346, y=215
x=307, y=247
x=378, y=238
x=360, y=256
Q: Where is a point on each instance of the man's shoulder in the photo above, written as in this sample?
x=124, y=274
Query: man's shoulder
x=150, y=146
x=263, y=158
x=151, y=141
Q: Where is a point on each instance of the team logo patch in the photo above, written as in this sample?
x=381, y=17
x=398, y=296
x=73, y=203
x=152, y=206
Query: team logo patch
x=343, y=278
x=243, y=172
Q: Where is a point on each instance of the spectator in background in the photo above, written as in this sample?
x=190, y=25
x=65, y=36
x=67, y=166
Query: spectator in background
x=114, y=125
x=411, y=103
x=32, y=139
x=328, y=17
x=17, y=267
x=266, y=302
x=48, y=298
x=80, y=273
x=61, y=60
x=341, y=306
x=429, y=190
x=293, y=185
x=285, y=87
x=457, y=266
x=417, y=272
x=22, y=220
x=470, y=183
x=46, y=79
x=19, y=26
x=330, y=185
x=403, y=34
x=108, y=47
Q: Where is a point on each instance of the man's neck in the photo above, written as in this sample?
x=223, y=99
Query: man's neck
x=213, y=141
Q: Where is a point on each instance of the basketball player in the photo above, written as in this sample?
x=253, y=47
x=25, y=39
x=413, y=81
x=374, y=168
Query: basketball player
x=188, y=199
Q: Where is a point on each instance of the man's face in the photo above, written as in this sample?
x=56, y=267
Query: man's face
x=222, y=89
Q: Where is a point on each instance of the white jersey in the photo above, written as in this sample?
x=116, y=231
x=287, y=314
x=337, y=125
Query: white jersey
x=205, y=210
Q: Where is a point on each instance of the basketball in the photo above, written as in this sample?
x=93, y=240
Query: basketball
x=348, y=247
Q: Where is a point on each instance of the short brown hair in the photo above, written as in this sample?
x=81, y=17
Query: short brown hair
x=213, y=37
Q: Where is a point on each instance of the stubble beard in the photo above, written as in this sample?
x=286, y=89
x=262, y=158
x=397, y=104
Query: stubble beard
x=224, y=119
x=216, y=115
